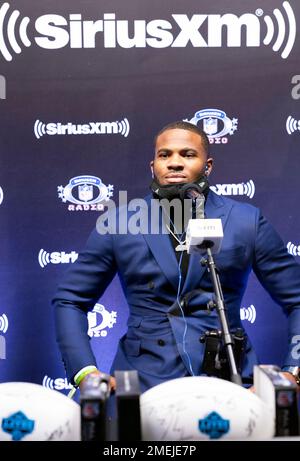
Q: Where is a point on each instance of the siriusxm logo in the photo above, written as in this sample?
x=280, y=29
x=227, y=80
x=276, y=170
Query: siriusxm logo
x=58, y=384
x=2, y=87
x=247, y=188
x=293, y=249
x=69, y=129
x=1, y=195
x=56, y=257
x=248, y=313
x=292, y=125
x=86, y=192
x=180, y=30
x=99, y=320
x=216, y=124
x=3, y=323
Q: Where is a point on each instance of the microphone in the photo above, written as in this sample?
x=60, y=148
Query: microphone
x=201, y=233
x=194, y=191
x=94, y=394
x=204, y=233
x=191, y=190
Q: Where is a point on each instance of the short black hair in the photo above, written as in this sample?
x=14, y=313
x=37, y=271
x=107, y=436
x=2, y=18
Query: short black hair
x=181, y=125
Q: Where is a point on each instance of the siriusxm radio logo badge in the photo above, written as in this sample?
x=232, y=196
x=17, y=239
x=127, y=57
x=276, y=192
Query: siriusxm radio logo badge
x=1, y=195
x=57, y=384
x=248, y=313
x=292, y=125
x=214, y=425
x=86, y=193
x=99, y=320
x=216, y=124
x=243, y=188
x=293, y=249
x=56, y=257
x=54, y=31
x=68, y=129
x=18, y=425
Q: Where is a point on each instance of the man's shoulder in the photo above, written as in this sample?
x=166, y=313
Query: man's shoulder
x=221, y=200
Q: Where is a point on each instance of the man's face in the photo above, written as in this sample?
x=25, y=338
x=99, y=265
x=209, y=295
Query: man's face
x=179, y=157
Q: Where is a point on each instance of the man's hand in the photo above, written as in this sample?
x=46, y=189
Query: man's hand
x=112, y=380
x=291, y=378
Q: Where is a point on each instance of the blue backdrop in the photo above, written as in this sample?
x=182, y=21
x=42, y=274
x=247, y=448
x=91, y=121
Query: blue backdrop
x=84, y=87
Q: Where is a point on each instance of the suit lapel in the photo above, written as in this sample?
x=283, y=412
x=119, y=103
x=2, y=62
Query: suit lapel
x=216, y=207
x=161, y=246
x=160, y=243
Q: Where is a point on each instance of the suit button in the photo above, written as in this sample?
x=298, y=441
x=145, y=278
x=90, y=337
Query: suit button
x=161, y=342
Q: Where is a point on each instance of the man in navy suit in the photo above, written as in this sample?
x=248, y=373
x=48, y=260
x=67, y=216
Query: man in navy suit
x=156, y=273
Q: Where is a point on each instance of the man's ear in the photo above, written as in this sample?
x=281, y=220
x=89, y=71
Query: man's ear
x=209, y=166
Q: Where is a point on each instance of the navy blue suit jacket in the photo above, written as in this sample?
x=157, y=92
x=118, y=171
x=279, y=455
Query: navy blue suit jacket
x=149, y=273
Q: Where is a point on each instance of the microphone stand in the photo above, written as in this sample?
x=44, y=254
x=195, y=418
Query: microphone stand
x=221, y=310
x=195, y=193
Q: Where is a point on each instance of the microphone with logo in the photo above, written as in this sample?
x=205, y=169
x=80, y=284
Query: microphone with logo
x=207, y=234
x=201, y=233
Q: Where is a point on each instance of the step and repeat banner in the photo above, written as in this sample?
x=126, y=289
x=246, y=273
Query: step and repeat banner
x=84, y=87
